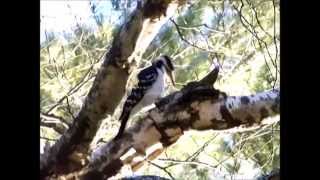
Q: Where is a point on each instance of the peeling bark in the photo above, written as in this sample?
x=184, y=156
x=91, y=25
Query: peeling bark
x=197, y=106
x=108, y=88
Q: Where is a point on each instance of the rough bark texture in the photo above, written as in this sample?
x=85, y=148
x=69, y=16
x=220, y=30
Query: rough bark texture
x=108, y=88
x=197, y=106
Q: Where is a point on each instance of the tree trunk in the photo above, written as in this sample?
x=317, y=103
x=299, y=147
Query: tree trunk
x=108, y=88
x=197, y=106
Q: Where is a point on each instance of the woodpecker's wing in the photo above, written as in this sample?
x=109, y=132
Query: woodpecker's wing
x=144, y=81
x=147, y=77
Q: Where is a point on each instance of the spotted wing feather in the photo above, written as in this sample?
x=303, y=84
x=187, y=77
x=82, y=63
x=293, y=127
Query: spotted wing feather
x=146, y=78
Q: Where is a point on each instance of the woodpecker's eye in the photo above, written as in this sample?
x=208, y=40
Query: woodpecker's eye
x=159, y=64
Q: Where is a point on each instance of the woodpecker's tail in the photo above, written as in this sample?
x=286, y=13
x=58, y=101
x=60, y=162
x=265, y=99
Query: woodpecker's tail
x=124, y=119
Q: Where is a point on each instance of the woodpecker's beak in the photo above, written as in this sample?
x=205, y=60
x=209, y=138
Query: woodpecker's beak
x=172, y=78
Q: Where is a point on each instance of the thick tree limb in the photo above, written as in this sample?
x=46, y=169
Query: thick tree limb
x=197, y=106
x=109, y=86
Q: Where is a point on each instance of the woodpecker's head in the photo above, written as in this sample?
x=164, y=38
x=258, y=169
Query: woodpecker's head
x=165, y=61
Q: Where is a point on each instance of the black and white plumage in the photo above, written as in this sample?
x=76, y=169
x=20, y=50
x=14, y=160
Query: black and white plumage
x=150, y=86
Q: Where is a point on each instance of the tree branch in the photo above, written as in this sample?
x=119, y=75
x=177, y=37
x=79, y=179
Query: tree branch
x=163, y=169
x=54, y=125
x=196, y=106
x=188, y=162
x=58, y=124
x=185, y=40
x=106, y=92
x=52, y=117
x=261, y=42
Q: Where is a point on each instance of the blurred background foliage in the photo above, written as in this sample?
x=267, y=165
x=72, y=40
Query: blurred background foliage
x=241, y=36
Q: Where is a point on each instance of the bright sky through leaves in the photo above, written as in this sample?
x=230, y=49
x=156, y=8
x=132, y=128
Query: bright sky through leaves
x=62, y=16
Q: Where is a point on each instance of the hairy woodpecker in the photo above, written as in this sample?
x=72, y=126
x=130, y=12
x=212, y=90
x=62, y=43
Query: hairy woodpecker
x=149, y=87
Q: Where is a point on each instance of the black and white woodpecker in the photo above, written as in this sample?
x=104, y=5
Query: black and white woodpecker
x=149, y=87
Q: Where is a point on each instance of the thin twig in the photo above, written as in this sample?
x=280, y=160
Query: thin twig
x=64, y=75
x=257, y=19
x=240, y=148
x=185, y=40
x=69, y=108
x=242, y=19
x=76, y=87
x=181, y=52
x=275, y=40
x=52, y=117
x=274, y=34
x=162, y=168
x=195, y=27
x=197, y=152
x=254, y=33
x=188, y=162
